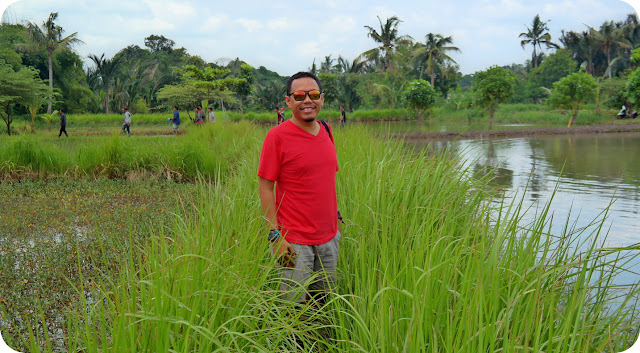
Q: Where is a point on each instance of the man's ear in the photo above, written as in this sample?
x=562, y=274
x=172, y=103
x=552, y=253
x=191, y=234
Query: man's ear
x=286, y=99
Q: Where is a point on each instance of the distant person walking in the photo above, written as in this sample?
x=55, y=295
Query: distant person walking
x=63, y=124
x=199, y=116
x=280, y=116
x=343, y=117
x=126, y=123
x=176, y=120
x=212, y=116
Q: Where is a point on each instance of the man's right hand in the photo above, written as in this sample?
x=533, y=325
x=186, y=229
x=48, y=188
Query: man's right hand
x=284, y=252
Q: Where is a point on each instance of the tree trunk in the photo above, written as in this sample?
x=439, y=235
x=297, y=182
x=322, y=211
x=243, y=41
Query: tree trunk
x=50, y=52
x=492, y=112
x=8, y=121
x=574, y=114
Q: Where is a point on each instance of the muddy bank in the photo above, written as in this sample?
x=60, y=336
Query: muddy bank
x=597, y=129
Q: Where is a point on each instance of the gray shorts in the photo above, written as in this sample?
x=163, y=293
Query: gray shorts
x=176, y=127
x=314, y=273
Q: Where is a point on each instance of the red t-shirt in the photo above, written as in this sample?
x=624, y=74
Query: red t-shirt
x=304, y=168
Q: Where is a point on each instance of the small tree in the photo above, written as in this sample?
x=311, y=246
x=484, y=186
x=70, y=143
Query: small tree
x=24, y=87
x=420, y=97
x=633, y=87
x=571, y=91
x=198, y=85
x=493, y=87
x=243, y=87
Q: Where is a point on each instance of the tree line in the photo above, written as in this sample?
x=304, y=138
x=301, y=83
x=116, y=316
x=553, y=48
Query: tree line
x=161, y=75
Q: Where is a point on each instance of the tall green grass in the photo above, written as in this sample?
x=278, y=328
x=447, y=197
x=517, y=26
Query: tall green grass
x=203, y=151
x=425, y=266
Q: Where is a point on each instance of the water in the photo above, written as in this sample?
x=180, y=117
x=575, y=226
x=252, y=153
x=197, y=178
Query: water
x=589, y=173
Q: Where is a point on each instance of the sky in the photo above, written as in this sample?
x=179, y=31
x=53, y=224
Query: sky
x=286, y=37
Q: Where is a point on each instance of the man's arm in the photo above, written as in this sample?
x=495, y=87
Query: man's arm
x=268, y=200
x=281, y=248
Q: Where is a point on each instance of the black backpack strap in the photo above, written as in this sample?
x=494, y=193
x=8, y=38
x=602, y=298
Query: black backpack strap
x=326, y=127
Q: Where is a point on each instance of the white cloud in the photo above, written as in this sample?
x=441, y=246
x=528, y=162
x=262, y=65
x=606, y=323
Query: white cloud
x=250, y=25
x=171, y=11
x=278, y=24
x=261, y=32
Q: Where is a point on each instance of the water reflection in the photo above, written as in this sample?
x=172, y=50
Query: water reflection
x=589, y=174
x=592, y=172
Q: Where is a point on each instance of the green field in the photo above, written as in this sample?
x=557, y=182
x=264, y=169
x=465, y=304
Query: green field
x=173, y=256
x=156, y=123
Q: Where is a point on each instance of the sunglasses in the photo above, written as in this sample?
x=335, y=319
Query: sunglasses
x=301, y=95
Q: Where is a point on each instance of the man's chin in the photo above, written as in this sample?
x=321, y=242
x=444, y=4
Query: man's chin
x=309, y=120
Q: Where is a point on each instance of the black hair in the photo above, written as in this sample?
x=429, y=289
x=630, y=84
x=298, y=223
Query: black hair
x=175, y=107
x=301, y=75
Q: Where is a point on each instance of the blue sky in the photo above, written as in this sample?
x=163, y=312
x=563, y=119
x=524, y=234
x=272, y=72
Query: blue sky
x=286, y=38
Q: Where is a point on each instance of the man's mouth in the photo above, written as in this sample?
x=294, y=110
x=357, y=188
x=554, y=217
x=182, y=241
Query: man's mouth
x=307, y=109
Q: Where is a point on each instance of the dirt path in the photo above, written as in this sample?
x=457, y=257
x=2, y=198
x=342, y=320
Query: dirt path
x=597, y=129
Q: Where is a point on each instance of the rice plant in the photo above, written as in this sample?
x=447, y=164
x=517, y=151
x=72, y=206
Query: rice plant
x=426, y=266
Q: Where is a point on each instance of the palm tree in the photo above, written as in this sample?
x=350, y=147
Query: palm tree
x=387, y=39
x=102, y=78
x=434, y=53
x=327, y=67
x=536, y=36
x=584, y=47
x=611, y=38
x=357, y=66
x=49, y=38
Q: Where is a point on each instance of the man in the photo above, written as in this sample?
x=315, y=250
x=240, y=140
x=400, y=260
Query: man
x=176, y=120
x=212, y=116
x=343, y=117
x=280, y=116
x=199, y=116
x=126, y=123
x=63, y=124
x=299, y=158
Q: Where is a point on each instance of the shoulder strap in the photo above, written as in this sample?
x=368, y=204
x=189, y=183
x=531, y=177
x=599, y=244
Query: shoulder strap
x=326, y=127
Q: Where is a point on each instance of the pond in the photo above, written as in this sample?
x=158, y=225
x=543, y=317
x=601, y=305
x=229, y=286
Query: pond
x=585, y=173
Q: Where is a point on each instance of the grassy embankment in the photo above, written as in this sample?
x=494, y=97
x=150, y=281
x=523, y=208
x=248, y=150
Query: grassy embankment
x=156, y=124
x=423, y=267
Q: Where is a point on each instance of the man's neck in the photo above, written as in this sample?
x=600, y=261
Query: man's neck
x=310, y=127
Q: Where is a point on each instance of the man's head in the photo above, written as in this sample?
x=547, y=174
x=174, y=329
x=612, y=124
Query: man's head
x=210, y=109
x=175, y=107
x=304, y=96
x=125, y=109
x=60, y=110
x=341, y=108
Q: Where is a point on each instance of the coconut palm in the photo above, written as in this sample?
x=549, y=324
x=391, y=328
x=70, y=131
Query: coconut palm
x=48, y=37
x=103, y=77
x=433, y=54
x=585, y=49
x=357, y=66
x=327, y=66
x=536, y=36
x=387, y=39
x=611, y=38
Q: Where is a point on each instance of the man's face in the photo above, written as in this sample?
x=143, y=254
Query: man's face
x=305, y=110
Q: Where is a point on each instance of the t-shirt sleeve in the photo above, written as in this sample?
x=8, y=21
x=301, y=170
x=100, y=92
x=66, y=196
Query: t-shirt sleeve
x=269, y=167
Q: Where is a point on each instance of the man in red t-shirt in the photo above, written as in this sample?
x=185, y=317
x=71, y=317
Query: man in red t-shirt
x=299, y=158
